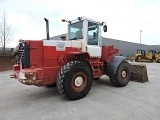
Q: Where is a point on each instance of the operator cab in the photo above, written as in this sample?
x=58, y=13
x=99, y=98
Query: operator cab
x=87, y=31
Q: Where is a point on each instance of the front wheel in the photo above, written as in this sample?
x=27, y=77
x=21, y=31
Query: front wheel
x=74, y=80
x=122, y=76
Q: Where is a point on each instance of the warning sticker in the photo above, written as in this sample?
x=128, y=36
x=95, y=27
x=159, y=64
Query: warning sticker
x=60, y=46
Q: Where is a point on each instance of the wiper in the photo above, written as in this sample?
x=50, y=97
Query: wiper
x=74, y=38
x=80, y=38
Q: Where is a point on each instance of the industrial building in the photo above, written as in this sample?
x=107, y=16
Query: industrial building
x=127, y=49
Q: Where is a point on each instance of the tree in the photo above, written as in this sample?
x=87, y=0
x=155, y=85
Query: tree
x=6, y=32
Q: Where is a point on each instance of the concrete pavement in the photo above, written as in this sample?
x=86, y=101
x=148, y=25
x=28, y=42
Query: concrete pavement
x=136, y=101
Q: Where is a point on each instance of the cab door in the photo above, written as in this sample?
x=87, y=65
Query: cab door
x=94, y=39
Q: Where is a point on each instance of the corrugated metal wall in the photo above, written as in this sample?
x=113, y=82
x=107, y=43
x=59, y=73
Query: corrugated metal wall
x=128, y=49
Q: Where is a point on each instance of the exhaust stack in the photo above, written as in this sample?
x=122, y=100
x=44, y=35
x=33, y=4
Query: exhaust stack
x=47, y=28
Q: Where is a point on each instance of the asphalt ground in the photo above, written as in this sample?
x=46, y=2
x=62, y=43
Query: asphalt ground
x=136, y=101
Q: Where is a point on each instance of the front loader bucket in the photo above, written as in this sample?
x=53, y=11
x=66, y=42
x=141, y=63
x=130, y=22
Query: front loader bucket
x=139, y=73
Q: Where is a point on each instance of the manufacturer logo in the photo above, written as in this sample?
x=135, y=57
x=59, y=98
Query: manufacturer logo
x=62, y=59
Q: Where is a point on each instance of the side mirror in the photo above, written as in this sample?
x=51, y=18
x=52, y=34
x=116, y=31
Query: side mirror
x=105, y=28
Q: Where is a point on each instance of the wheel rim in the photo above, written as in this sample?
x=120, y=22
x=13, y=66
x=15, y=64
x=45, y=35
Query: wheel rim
x=79, y=81
x=124, y=74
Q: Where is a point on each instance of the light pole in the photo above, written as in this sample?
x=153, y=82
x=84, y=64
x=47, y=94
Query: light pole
x=140, y=36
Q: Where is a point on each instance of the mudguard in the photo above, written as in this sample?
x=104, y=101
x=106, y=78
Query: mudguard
x=113, y=64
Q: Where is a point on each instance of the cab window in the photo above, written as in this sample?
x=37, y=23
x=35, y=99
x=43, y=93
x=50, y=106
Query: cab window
x=75, y=31
x=92, y=33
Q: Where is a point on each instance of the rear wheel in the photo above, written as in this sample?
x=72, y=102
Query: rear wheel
x=96, y=78
x=50, y=86
x=122, y=76
x=74, y=80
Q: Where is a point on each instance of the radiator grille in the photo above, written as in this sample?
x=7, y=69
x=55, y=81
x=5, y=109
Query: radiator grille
x=23, y=55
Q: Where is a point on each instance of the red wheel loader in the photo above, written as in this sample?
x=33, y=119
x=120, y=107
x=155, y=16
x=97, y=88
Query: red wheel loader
x=73, y=63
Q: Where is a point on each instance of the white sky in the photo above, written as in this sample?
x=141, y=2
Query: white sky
x=124, y=18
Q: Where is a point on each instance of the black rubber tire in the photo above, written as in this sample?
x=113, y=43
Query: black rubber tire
x=118, y=80
x=50, y=86
x=96, y=79
x=66, y=83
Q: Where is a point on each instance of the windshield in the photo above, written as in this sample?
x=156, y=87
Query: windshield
x=75, y=31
